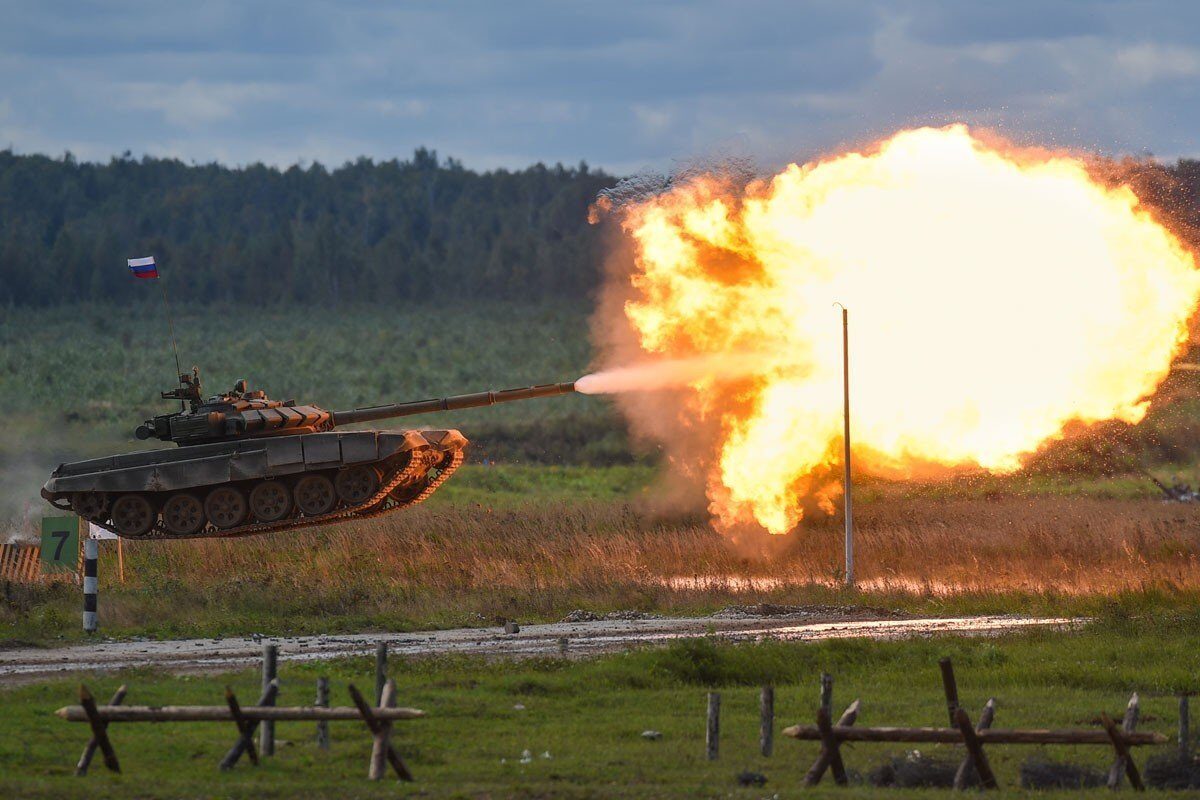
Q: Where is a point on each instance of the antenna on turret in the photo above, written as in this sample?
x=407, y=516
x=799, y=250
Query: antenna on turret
x=147, y=268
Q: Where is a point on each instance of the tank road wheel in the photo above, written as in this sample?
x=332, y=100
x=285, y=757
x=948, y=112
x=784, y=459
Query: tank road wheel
x=315, y=495
x=89, y=505
x=270, y=501
x=226, y=507
x=183, y=514
x=132, y=515
x=356, y=484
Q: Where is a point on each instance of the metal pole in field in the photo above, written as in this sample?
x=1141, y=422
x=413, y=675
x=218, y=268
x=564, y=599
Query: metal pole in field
x=91, y=583
x=846, y=484
x=266, y=736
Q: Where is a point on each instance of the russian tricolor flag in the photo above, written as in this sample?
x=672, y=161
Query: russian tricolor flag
x=143, y=267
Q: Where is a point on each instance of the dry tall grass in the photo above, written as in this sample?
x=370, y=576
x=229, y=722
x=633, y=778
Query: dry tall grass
x=450, y=565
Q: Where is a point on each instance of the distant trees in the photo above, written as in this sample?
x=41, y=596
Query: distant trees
x=366, y=231
x=391, y=231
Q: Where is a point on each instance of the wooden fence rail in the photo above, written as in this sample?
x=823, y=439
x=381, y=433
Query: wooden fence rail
x=224, y=714
x=955, y=736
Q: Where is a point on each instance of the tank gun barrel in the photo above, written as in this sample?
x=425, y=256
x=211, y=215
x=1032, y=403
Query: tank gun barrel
x=453, y=403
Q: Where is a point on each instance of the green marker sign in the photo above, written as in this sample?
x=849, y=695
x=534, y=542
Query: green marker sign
x=60, y=544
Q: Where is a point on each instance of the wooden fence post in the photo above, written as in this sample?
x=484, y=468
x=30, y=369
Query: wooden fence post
x=99, y=729
x=766, y=720
x=712, y=734
x=374, y=724
x=245, y=728
x=827, y=692
x=964, y=769
x=829, y=746
x=381, y=659
x=971, y=739
x=1122, y=764
x=950, y=688
x=270, y=666
x=817, y=770
x=90, y=750
x=383, y=739
x=1123, y=761
x=322, y=702
x=245, y=740
x=1185, y=734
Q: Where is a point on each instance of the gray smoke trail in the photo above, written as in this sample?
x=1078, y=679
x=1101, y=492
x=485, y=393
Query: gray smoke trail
x=674, y=373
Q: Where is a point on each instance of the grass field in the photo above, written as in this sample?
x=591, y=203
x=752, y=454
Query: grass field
x=76, y=381
x=567, y=520
x=534, y=543
x=588, y=716
x=556, y=513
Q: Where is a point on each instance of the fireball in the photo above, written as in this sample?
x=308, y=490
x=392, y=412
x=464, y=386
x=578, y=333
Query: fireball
x=995, y=295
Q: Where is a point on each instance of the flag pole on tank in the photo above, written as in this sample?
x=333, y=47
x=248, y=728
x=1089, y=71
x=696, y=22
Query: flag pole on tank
x=147, y=268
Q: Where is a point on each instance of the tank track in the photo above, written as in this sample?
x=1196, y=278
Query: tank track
x=377, y=505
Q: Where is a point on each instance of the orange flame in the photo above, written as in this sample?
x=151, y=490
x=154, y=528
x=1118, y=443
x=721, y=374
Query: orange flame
x=995, y=295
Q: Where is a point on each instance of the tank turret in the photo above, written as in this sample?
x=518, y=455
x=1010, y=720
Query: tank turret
x=241, y=413
x=248, y=464
x=235, y=414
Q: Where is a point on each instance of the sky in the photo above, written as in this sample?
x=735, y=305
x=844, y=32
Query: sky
x=626, y=86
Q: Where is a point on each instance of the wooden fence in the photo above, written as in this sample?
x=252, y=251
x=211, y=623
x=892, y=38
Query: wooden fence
x=246, y=719
x=21, y=563
x=831, y=735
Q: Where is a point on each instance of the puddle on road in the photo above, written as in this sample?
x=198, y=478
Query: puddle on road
x=743, y=584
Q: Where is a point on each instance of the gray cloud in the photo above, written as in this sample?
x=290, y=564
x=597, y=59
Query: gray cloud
x=621, y=85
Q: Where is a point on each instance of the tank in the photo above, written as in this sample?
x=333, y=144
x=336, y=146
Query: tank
x=247, y=464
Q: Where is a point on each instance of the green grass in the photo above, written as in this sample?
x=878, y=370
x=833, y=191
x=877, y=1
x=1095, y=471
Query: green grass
x=105, y=365
x=76, y=380
x=509, y=484
x=589, y=716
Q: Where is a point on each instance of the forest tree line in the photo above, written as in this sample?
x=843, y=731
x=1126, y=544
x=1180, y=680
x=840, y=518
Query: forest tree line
x=392, y=231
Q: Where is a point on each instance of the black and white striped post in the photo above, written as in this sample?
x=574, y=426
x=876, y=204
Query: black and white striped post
x=91, y=583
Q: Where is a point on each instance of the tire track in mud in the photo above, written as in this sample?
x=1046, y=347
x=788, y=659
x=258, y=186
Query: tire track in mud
x=584, y=638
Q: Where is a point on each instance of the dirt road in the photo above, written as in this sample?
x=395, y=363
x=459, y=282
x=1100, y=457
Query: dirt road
x=584, y=637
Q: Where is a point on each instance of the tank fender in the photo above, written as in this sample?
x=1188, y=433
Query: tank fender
x=163, y=477
x=321, y=449
x=359, y=447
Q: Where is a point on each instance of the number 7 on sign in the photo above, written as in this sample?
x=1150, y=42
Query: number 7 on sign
x=62, y=537
x=60, y=543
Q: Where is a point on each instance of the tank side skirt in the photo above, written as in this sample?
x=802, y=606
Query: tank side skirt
x=415, y=469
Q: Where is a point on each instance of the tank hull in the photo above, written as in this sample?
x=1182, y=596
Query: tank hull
x=219, y=489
